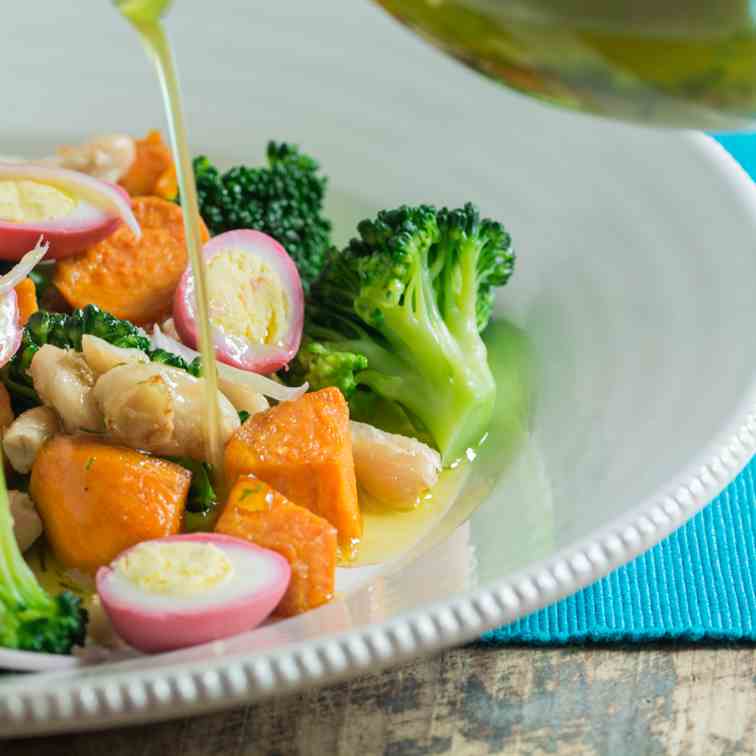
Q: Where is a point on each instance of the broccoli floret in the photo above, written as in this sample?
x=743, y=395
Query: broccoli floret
x=284, y=199
x=31, y=619
x=66, y=332
x=411, y=295
x=321, y=366
x=173, y=360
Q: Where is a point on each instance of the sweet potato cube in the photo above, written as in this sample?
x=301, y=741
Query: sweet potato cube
x=152, y=173
x=6, y=411
x=255, y=512
x=96, y=500
x=26, y=296
x=303, y=449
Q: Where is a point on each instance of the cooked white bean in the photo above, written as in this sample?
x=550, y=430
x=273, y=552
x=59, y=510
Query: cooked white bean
x=27, y=434
x=64, y=381
x=102, y=356
x=392, y=468
x=239, y=394
x=159, y=409
x=107, y=157
x=27, y=525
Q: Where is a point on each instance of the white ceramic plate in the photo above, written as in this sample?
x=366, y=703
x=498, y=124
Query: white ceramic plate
x=633, y=299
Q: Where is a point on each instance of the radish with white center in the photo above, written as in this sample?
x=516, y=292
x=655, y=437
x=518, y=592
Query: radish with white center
x=256, y=302
x=11, y=329
x=184, y=590
x=71, y=209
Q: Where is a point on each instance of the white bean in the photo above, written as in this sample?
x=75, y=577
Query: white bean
x=64, y=381
x=102, y=356
x=27, y=525
x=107, y=157
x=159, y=409
x=27, y=434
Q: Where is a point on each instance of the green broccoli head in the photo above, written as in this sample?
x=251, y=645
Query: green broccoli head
x=320, y=366
x=495, y=258
x=284, y=199
x=66, y=330
x=31, y=619
x=411, y=295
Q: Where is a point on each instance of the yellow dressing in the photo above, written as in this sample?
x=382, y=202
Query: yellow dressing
x=145, y=16
x=24, y=201
x=247, y=299
x=175, y=569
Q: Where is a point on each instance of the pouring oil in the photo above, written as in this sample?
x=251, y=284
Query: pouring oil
x=145, y=16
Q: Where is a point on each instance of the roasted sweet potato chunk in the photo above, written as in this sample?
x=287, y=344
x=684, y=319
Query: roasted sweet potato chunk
x=96, y=499
x=261, y=515
x=303, y=449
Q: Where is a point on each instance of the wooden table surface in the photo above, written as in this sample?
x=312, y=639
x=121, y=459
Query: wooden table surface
x=664, y=699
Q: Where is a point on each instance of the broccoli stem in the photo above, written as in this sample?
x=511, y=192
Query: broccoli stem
x=30, y=619
x=17, y=581
x=455, y=401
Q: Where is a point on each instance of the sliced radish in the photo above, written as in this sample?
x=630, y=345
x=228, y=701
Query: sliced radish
x=185, y=590
x=256, y=302
x=231, y=375
x=10, y=327
x=91, y=210
x=11, y=330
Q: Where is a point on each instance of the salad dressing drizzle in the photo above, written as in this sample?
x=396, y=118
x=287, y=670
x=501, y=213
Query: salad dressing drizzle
x=144, y=16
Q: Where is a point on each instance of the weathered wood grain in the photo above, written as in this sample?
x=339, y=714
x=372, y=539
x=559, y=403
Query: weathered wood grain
x=625, y=702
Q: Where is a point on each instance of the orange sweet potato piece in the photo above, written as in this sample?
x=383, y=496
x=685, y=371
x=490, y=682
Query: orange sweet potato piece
x=96, y=500
x=303, y=449
x=152, y=173
x=258, y=513
x=131, y=279
x=6, y=418
x=6, y=412
x=26, y=296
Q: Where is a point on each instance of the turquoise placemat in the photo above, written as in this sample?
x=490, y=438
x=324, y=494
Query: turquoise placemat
x=697, y=584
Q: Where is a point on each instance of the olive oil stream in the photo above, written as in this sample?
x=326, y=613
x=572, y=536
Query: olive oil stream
x=145, y=15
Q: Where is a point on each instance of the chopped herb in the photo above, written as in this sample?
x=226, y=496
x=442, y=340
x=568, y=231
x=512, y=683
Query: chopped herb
x=249, y=492
x=89, y=464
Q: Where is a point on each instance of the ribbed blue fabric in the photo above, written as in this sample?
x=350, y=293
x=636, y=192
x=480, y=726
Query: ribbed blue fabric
x=697, y=584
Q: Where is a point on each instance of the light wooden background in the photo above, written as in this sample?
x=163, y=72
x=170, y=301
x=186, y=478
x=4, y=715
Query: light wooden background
x=663, y=699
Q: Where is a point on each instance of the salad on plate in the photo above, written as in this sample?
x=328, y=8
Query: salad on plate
x=345, y=375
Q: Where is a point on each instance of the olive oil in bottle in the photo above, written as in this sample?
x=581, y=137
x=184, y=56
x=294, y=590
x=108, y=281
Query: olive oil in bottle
x=689, y=63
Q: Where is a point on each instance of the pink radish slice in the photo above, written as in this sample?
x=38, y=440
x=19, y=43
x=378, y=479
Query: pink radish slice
x=226, y=603
x=100, y=209
x=11, y=330
x=10, y=327
x=256, y=302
